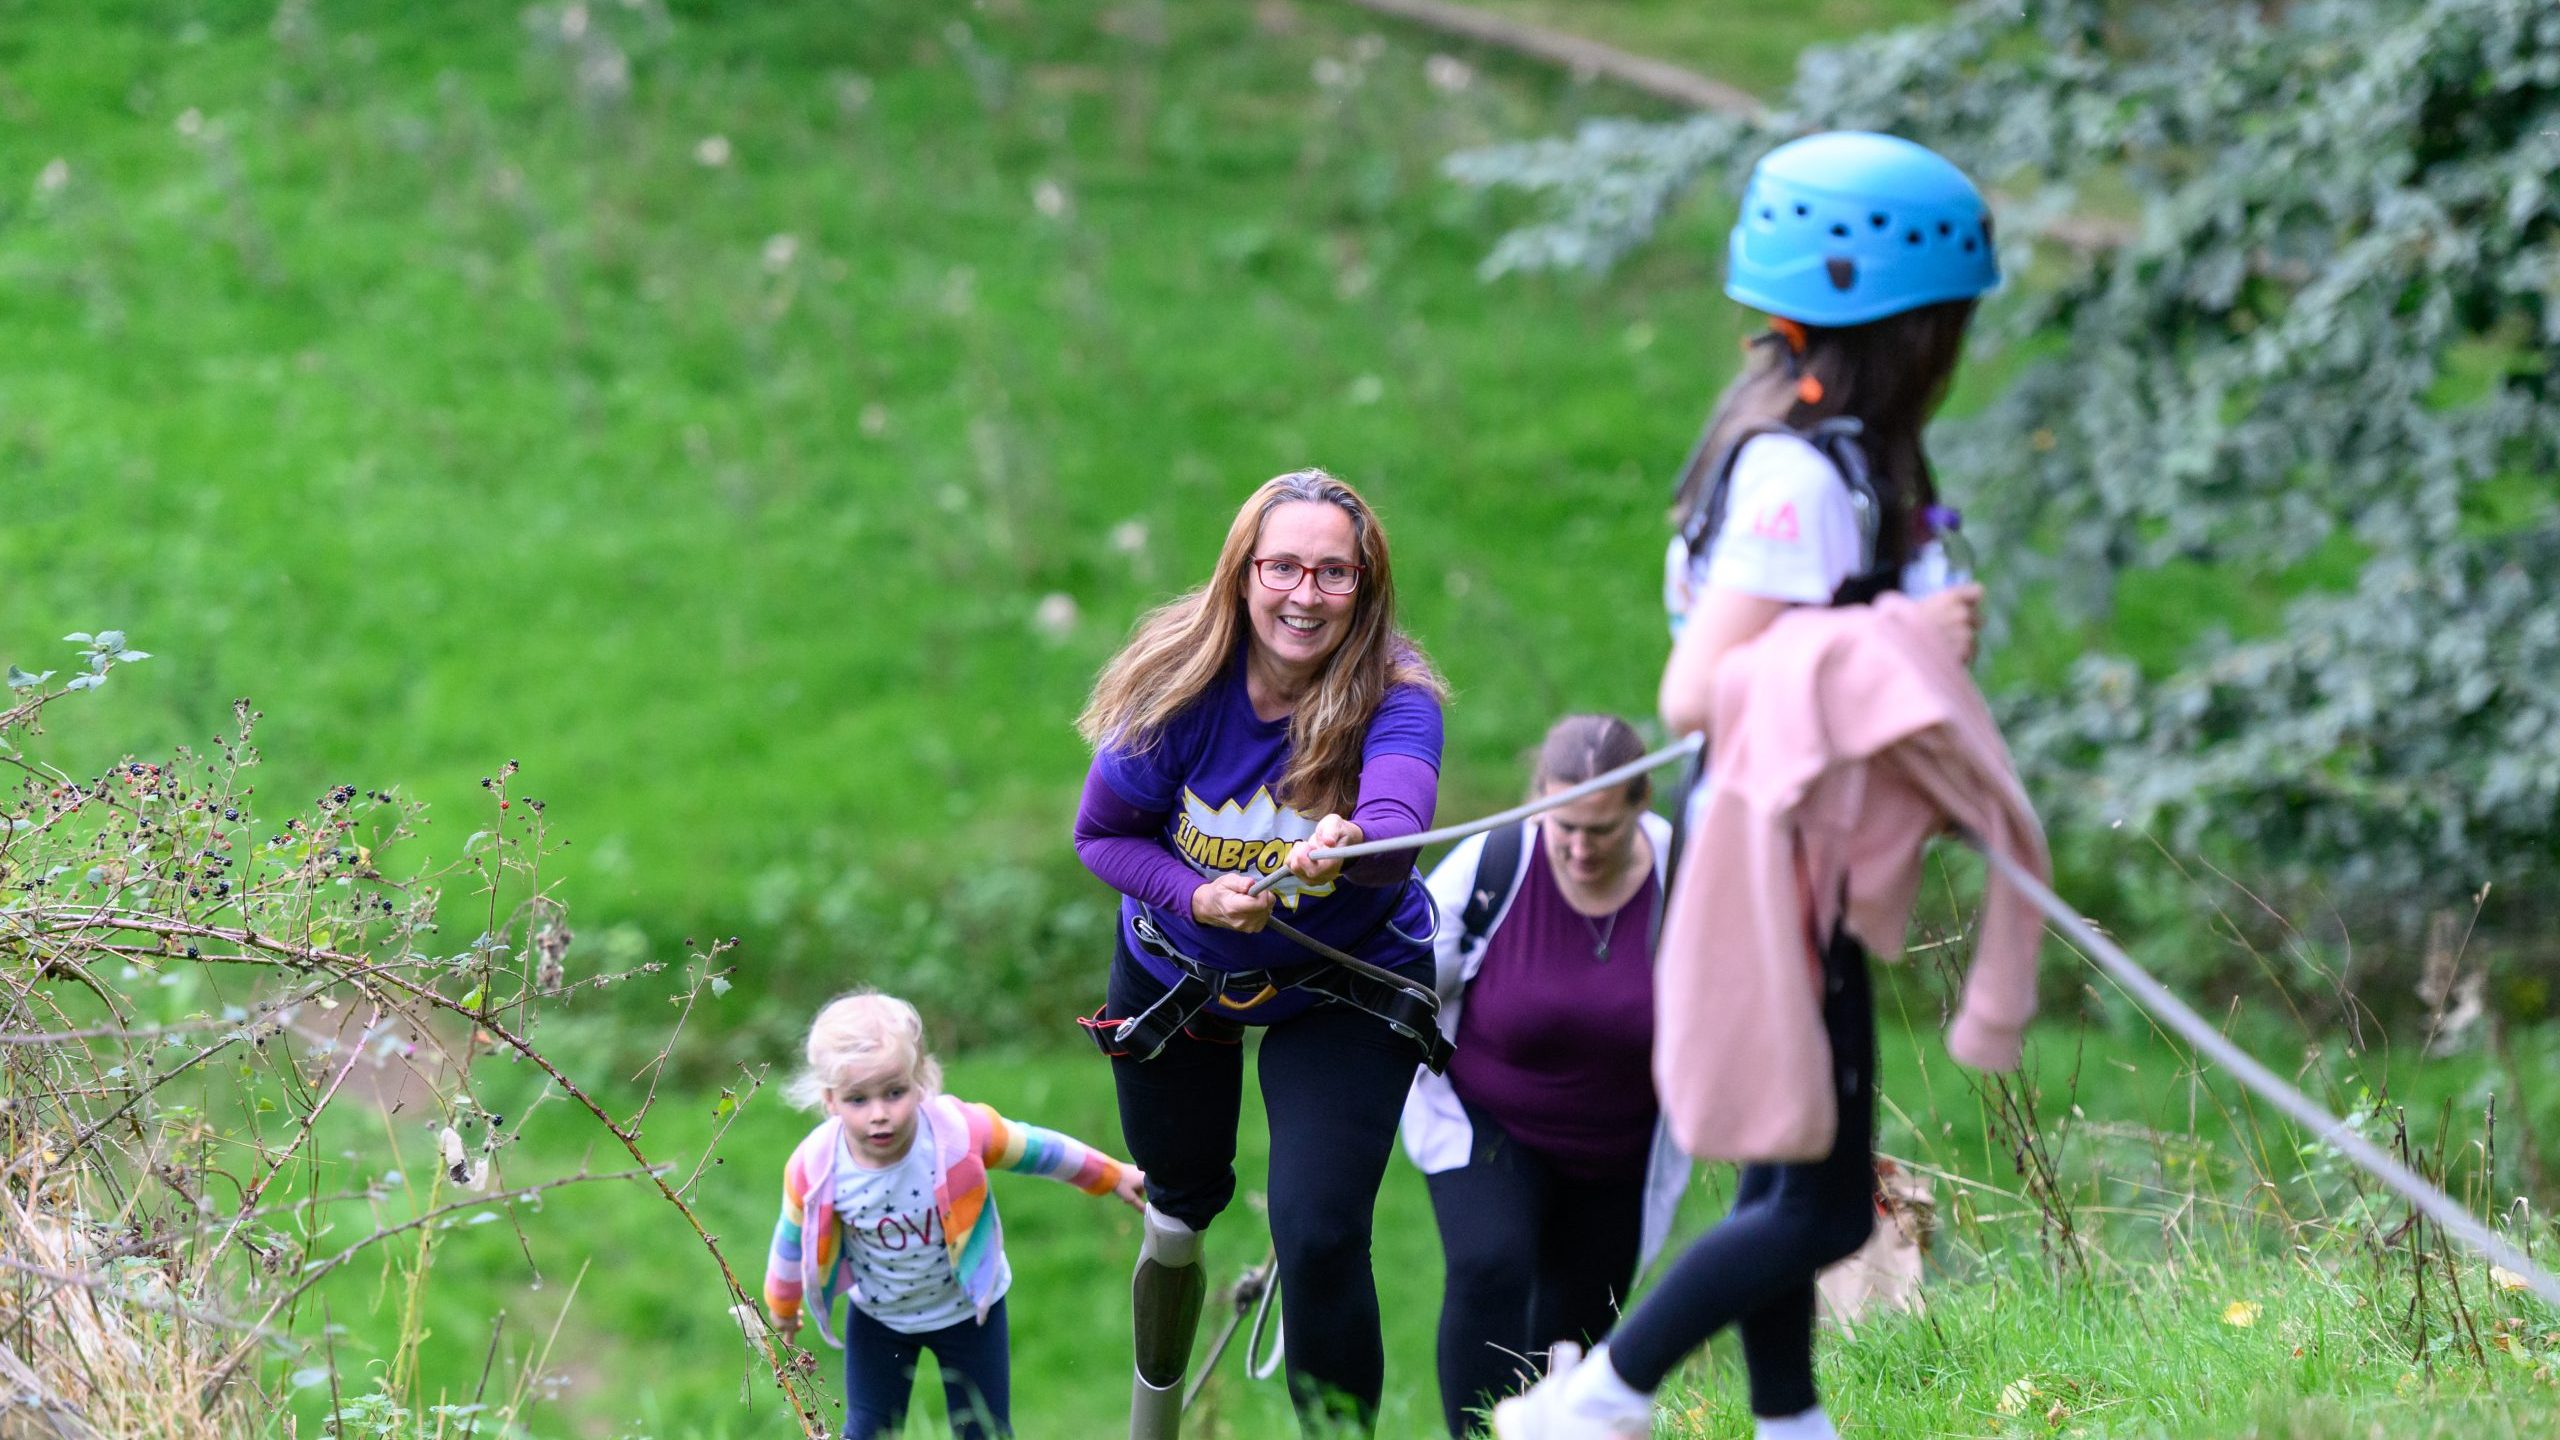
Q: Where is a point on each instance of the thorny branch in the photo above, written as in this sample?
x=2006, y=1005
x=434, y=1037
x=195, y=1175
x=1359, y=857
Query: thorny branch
x=173, y=870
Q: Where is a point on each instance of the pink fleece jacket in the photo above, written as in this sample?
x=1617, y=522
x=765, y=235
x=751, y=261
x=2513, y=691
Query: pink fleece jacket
x=1843, y=740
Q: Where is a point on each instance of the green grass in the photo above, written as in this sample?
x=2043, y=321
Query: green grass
x=2153, y=1352
x=2138, y=1349
x=366, y=360
x=362, y=366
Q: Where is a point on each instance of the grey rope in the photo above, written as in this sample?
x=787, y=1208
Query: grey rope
x=2330, y=1130
x=1252, y=1294
x=1687, y=746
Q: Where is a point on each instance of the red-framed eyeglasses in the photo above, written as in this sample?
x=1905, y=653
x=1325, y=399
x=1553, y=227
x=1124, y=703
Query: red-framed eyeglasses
x=1285, y=575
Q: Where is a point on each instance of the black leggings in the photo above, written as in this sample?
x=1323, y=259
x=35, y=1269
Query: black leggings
x=1533, y=1257
x=1756, y=1268
x=1333, y=1085
x=880, y=1374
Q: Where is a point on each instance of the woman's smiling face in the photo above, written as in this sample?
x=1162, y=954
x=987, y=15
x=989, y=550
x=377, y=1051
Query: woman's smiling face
x=1298, y=629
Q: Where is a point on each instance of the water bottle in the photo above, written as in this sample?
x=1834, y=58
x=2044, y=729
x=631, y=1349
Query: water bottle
x=1946, y=557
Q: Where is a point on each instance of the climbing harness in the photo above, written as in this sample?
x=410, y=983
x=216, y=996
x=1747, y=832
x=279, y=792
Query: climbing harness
x=1407, y=1007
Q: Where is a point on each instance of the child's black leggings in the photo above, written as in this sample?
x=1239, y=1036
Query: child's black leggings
x=1755, y=1270
x=1333, y=1085
x=880, y=1375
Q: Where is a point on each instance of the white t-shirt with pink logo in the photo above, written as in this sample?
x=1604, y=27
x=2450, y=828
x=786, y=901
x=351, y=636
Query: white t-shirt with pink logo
x=901, y=1266
x=1790, y=533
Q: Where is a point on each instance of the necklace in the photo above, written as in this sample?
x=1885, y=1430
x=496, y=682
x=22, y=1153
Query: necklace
x=1600, y=934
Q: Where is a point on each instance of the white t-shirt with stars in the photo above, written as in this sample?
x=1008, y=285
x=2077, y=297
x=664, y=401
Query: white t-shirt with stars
x=901, y=1266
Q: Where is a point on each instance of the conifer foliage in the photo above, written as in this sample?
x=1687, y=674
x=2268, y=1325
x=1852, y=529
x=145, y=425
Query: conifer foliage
x=2314, y=358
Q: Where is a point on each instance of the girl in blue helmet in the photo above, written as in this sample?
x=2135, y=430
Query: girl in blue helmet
x=1810, y=487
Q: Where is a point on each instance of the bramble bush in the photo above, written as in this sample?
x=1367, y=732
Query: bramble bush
x=196, y=982
x=2294, y=416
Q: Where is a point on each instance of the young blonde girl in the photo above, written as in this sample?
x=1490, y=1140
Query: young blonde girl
x=886, y=1202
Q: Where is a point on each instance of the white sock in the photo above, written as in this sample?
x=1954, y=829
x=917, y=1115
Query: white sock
x=1805, y=1425
x=1595, y=1389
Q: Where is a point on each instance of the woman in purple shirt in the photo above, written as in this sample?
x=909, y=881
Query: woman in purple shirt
x=1274, y=710
x=1550, y=1173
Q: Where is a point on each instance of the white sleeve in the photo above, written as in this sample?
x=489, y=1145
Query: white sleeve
x=1450, y=881
x=1790, y=531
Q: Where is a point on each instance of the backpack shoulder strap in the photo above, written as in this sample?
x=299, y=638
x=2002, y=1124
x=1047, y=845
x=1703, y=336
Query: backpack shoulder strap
x=1497, y=875
x=1837, y=440
x=1698, y=528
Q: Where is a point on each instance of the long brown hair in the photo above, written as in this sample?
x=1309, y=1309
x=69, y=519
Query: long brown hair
x=1181, y=648
x=1890, y=374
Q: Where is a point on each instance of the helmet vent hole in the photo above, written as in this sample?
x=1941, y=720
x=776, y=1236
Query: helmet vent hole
x=1842, y=270
x=1911, y=237
x=1971, y=245
x=1768, y=213
x=1840, y=231
x=1880, y=220
x=1802, y=211
x=1945, y=229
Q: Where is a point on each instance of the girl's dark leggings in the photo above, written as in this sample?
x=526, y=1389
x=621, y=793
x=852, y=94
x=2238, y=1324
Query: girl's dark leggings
x=1755, y=1270
x=880, y=1373
x=1533, y=1256
x=1333, y=1085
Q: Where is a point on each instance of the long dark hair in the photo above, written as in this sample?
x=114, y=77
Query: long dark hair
x=1890, y=374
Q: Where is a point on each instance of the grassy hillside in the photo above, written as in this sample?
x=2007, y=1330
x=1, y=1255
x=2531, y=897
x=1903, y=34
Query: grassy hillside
x=761, y=421
x=2189, y=1199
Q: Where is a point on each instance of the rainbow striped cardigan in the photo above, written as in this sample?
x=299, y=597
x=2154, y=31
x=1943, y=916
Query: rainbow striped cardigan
x=967, y=1140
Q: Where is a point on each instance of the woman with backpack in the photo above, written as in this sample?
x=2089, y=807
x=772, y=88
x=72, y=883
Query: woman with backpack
x=1550, y=1174
x=1811, y=488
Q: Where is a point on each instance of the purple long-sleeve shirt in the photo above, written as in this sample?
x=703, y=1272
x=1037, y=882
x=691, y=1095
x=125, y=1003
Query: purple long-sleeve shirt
x=1199, y=801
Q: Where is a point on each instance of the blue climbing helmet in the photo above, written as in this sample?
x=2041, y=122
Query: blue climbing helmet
x=1851, y=226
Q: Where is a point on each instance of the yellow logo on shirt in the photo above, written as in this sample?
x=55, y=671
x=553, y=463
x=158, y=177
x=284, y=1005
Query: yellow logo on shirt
x=1252, y=838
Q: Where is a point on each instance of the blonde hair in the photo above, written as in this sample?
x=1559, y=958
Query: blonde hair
x=1181, y=648
x=863, y=1035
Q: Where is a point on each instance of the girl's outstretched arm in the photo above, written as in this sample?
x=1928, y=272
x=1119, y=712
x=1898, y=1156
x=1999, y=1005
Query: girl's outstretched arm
x=782, y=1257
x=1030, y=1150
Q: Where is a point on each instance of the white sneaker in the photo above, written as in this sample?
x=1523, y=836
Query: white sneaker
x=1578, y=1400
x=1806, y=1425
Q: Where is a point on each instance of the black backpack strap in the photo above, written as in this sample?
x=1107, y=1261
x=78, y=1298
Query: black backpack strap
x=1698, y=528
x=1497, y=874
x=1837, y=441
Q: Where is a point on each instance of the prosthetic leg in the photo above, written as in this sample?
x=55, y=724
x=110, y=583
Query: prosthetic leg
x=1164, y=1302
